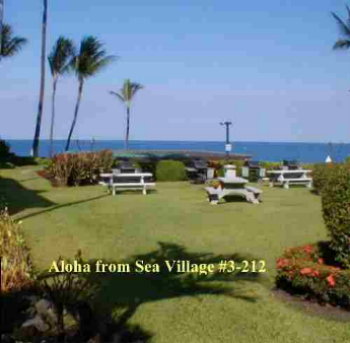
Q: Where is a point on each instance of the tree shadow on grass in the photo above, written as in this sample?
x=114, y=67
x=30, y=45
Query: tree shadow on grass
x=127, y=291
x=115, y=297
x=18, y=198
x=68, y=204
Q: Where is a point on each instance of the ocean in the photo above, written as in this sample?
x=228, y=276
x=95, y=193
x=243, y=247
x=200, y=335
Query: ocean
x=263, y=151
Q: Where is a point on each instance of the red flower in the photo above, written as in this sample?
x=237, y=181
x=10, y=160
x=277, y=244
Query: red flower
x=306, y=271
x=331, y=281
x=308, y=249
x=316, y=273
x=282, y=262
x=320, y=261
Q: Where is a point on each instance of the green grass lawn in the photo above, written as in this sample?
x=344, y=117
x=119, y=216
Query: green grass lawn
x=178, y=222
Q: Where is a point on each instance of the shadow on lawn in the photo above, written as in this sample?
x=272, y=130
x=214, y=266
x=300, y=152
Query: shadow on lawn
x=127, y=291
x=115, y=297
x=18, y=198
x=56, y=207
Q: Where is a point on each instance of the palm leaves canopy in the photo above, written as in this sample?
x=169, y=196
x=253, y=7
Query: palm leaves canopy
x=91, y=58
x=10, y=45
x=344, y=26
x=60, y=56
x=127, y=92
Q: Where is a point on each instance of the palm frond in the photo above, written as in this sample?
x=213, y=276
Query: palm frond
x=127, y=92
x=10, y=45
x=92, y=58
x=119, y=96
x=342, y=44
x=60, y=56
x=343, y=27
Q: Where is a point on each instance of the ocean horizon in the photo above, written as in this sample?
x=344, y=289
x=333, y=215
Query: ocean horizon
x=265, y=151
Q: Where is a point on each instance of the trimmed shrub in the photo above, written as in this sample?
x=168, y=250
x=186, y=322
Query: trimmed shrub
x=336, y=211
x=302, y=270
x=319, y=176
x=169, y=170
x=15, y=261
x=79, y=169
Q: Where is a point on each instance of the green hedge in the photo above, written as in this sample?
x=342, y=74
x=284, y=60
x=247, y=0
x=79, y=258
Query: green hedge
x=170, y=170
x=303, y=270
x=336, y=210
x=320, y=174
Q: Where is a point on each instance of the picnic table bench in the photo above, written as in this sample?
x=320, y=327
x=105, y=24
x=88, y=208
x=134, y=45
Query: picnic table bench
x=233, y=186
x=127, y=181
x=290, y=177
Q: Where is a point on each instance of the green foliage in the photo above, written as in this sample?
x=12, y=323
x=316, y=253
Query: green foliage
x=10, y=44
x=15, y=261
x=319, y=175
x=336, y=211
x=302, y=270
x=170, y=170
x=79, y=169
x=4, y=150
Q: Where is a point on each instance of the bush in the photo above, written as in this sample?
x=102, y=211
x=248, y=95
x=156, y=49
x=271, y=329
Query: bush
x=170, y=170
x=302, y=270
x=319, y=176
x=15, y=261
x=79, y=169
x=336, y=211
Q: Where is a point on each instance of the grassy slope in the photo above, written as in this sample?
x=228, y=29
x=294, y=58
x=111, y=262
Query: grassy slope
x=61, y=221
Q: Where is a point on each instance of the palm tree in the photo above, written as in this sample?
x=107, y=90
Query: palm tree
x=126, y=96
x=59, y=60
x=1, y=20
x=10, y=45
x=90, y=59
x=344, y=42
x=35, y=148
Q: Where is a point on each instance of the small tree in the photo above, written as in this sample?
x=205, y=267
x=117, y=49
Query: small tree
x=126, y=96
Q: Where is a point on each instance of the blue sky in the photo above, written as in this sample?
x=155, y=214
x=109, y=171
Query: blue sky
x=266, y=65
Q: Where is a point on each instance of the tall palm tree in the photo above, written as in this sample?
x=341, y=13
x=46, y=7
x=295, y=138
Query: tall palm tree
x=35, y=148
x=1, y=20
x=10, y=45
x=91, y=58
x=344, y=26
x=126, y=95
x=59, y=60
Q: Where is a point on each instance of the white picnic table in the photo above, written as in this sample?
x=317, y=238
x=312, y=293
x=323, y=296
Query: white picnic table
x=289, y=176
x=115, y=181
x=233, y=186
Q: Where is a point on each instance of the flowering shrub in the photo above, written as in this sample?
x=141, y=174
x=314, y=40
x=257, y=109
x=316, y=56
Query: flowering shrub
x=78, y=169
x=15, y=262
x=303, y=270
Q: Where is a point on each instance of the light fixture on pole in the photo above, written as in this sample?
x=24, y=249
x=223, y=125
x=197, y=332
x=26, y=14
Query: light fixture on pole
x=228, y=145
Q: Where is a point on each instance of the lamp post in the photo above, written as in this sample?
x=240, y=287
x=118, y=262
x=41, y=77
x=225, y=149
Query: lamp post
x=228, y=146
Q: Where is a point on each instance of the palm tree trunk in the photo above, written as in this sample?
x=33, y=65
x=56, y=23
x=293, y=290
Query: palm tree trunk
x=127, y=127
x=1, y=23
x=53, y=114
x=35, y=149
x=80, y=92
